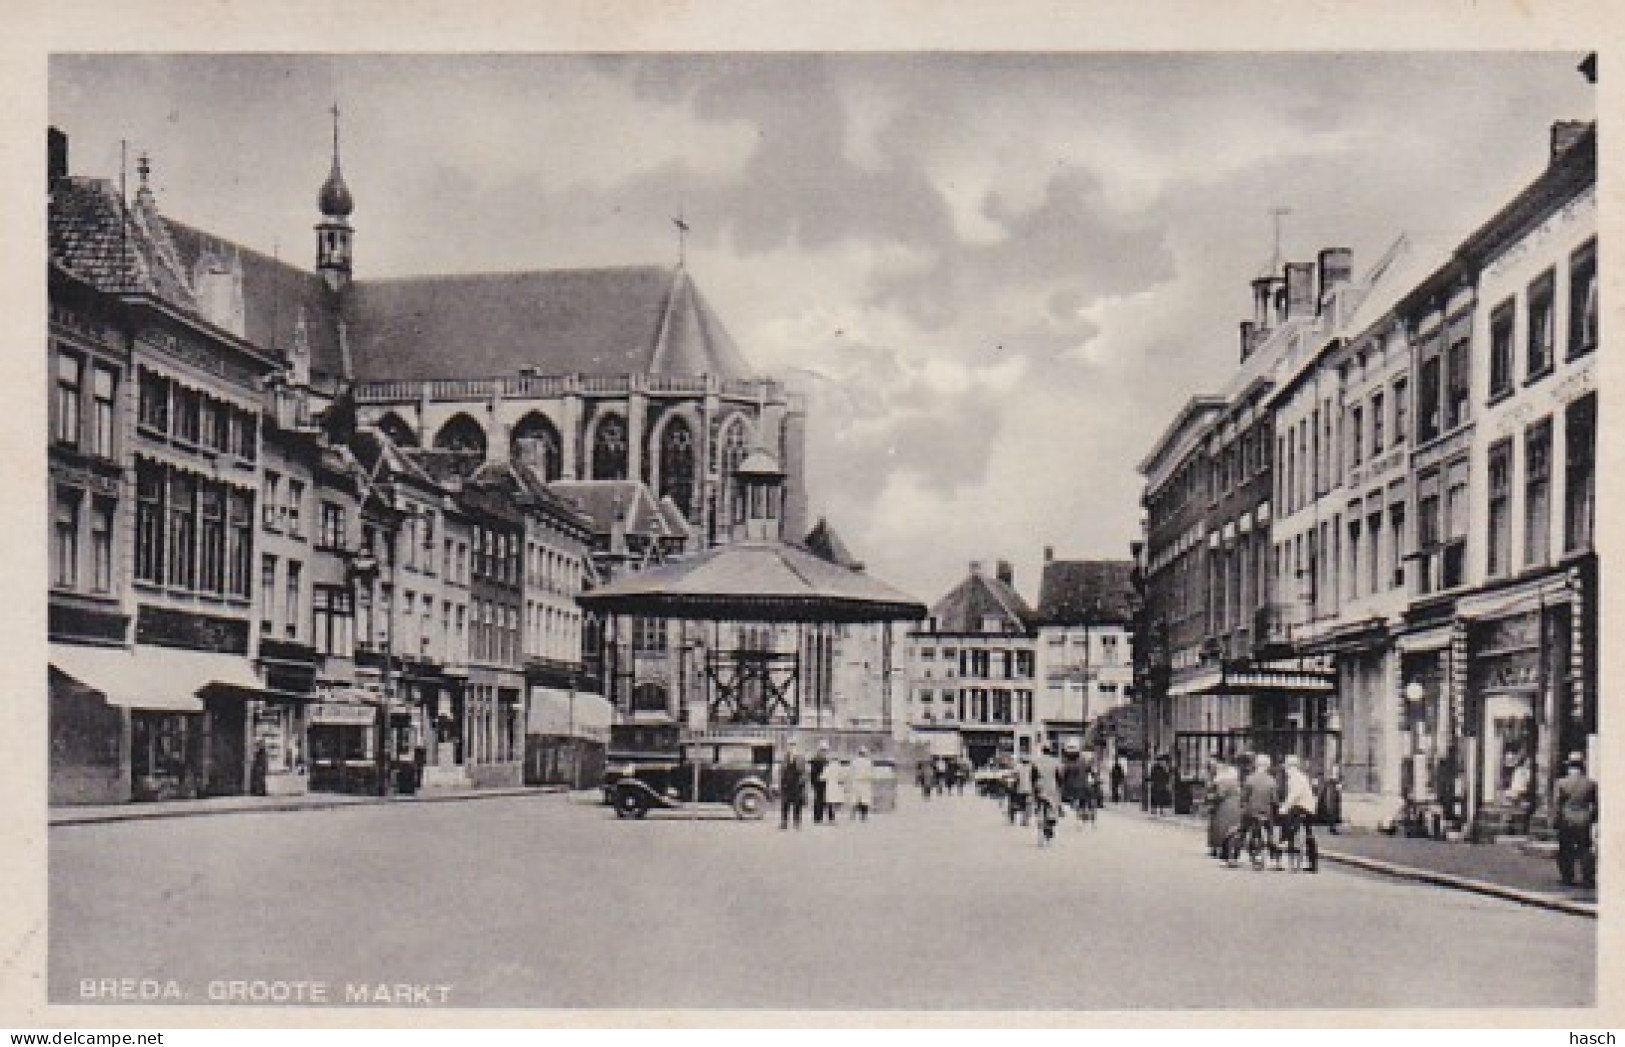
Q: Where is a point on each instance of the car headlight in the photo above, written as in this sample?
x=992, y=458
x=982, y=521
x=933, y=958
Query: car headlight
x=629, y=770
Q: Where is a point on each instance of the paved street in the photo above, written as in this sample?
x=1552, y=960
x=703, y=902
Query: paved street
x=547, y=901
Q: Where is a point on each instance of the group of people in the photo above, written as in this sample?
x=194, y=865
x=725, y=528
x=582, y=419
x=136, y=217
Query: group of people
x=831, y=782
x=1275, y=809
x=1044, y=787
x=942, y=774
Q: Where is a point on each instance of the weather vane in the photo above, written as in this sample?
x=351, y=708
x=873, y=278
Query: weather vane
x=682, y=237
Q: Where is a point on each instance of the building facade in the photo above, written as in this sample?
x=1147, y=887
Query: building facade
x=1085, y=651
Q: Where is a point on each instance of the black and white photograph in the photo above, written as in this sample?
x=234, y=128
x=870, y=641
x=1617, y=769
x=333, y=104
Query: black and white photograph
x=816, y=531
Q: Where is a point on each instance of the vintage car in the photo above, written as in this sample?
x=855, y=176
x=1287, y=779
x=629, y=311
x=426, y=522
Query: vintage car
x=738, y=774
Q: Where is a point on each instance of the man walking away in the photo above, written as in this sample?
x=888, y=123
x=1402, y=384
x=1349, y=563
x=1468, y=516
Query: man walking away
x=1574, y=813
x=1119, y=780
x=1021, y=789
x=1298, y=812
x=819, y=770
x=863, y=784
x=1046, y=791
x=1329, y=802
x=792, y=785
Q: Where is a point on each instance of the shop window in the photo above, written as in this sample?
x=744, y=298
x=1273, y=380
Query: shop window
x=149, y=521
x=105, y=391
x=65, y=539
x=1537, y=493
x=1503, y=323
x=1580, y=474
x=1542, y=317
x=1583, y=318
x=1500, y=509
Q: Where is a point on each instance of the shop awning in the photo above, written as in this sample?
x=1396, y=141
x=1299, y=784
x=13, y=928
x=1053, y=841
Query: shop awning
x=556, y=712
x=1257, y=679
x=156, y=678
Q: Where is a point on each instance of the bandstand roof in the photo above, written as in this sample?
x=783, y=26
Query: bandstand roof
x=755, y=581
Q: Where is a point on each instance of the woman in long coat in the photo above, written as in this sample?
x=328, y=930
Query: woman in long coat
x=1225, y=815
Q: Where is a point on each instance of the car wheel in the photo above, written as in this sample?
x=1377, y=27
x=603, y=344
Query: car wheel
x=750, y=803
x=630, y=805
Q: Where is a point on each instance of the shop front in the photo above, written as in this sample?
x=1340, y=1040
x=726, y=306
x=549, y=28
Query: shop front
x=1431, y=785
x=343, y=730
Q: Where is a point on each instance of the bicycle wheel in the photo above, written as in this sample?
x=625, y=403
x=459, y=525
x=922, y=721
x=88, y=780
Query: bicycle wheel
x=1256, y=848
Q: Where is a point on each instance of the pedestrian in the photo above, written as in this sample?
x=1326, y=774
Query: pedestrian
x=1329, y=801
x=258, y=769
x=1224, y=810
x=1119, y=779
x=1297, y=811
x=939, y=775
x=792, y=785
x=1021, y=789
x=1161, y=786
x=862, y=784
x=818, y=771
x=1073, y=785
x=1046, y=774
x=1258, y=805
x=834, y=789
x=1574, y=813
x=922, y=776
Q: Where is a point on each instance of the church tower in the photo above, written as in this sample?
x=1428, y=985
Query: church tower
x=333, y=233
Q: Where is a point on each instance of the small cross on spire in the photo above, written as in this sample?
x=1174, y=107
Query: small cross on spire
x=334, y=109
x=682, y=237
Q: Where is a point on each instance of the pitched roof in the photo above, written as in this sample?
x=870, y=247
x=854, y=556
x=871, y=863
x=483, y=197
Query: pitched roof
x=755, y=581
x=94, y=236
x=1078, y=592
x=605, y=501
x=969, y=605
x=282, y=303
x=823, y=542
x=637, y=320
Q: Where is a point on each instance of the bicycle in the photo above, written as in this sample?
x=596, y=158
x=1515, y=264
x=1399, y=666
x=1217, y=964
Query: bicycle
x=1251, y=836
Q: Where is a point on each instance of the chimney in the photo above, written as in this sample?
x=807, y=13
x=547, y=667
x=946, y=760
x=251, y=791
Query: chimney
x=1565, y=133
x=1049, y=553
x=1336, y=270
x=1248, y=329
x=1300, y=289
x=1007, y=574
x=1261, y=301
x=976, y=567
x=56, y=149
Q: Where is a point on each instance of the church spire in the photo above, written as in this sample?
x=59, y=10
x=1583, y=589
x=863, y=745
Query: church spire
x=334, y=237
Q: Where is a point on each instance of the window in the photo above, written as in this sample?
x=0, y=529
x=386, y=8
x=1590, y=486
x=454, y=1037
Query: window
x=1458, y=409
x=1396, y=543
x=1355, y=531
x=1580, y=474
x=1541, y=319
x=291, y=605
x=1402, y=405
x=239, y=543
x=65, y=539
x=1356, y=435
x=1500, y=509
x=296, y=501
x=333, y=614
x=1537, y=450
x=332, y=533
x=677, y=465
x=152, y=408
x=649, y=635
x=1376, y=424
x=609, y=449
x=271, y=501
x=1428, y=530
x=101, y=545
x=1373, y=530
x=1583, y=318
x=1503, y=323
x=1428, y=416
x=69, y=379
x=182, y=530
x=188, y=414
x=149, y=521
x=246, y=428
x=212, y=562
x=102, y=421
x=267, y=594
x=1455, y=522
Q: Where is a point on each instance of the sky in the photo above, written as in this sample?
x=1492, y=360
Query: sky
x=996, y=277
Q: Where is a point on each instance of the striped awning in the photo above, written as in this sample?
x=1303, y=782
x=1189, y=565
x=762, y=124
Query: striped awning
x=1310, y=678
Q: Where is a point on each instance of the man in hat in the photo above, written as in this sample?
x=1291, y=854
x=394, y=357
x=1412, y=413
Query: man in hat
x=792, y=785
x=1297, y=812
x=820, y=769
x=1574, y=813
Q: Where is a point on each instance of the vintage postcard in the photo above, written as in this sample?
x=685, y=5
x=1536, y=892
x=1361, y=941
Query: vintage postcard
x=553, y=520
